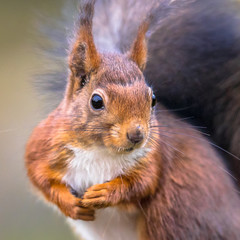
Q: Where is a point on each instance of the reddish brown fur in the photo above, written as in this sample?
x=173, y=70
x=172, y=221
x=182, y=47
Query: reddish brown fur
x=179, y=186
x=138, y=52
x=84, y=57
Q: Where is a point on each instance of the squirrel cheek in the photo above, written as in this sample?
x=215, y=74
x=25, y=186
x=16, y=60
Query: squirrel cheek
x=116, y=138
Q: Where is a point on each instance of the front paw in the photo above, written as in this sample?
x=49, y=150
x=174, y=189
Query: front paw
x=81, y=213
x=101, y=196
x=74, y=209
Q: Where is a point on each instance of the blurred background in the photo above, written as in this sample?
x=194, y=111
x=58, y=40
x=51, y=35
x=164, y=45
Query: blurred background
x=22, y=214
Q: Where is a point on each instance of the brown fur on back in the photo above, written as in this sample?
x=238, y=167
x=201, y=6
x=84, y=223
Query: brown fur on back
x=195, y=198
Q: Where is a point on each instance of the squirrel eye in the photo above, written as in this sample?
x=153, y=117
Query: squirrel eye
x=154, y=100
x=97, y=102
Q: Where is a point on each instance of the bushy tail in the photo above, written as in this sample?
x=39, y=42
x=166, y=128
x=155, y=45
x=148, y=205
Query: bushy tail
x=116, y=21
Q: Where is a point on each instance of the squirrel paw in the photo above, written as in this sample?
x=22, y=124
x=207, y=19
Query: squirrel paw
x=101, y=196
x=77, y=211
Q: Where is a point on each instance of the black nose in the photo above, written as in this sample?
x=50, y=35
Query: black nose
x=135, y=136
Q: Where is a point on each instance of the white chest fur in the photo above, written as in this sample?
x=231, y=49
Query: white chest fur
x=94, y=167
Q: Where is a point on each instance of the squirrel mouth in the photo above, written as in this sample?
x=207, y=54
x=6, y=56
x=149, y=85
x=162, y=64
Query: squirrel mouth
x=122, y=150
x=126, y=149
x=129, y=149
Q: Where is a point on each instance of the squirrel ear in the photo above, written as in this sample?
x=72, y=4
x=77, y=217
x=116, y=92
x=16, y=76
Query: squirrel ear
x=84, y=57
x=138, y=51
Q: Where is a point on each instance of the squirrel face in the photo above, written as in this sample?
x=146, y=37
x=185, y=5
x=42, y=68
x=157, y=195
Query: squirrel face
x=107, y=93
x=114, y=107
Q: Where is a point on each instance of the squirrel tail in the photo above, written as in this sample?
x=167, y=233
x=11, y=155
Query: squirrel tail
x=116, y=22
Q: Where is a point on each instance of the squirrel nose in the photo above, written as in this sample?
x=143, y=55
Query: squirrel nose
x=135, y=135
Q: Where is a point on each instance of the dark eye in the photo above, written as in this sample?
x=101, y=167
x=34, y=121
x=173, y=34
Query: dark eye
x=97, y=102
x=154, y=100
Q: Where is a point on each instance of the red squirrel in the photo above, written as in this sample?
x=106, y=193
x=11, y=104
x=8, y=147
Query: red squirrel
x=193, y=59
x=110, y=159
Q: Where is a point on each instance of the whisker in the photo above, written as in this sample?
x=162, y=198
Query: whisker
x=203, y=140
x=141, y=208
x=223, y=169
x=171, y=137
x=86, y=130
x=170, y=145
x=205, y=134
x=201, y=127
x=182, y=119
x=173, y=110
x=87, y=127
x=154, y=143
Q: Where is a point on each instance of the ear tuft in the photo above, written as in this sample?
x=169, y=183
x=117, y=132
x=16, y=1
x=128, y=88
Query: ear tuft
x=77, y=65
x=84, y=57
x=138, y=52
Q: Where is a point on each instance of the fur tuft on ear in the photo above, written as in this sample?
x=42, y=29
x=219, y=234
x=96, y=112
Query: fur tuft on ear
x=138, y=52
x=159, y=13
x=84, y=56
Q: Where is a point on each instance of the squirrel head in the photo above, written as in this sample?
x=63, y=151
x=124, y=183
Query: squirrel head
x=107, y=99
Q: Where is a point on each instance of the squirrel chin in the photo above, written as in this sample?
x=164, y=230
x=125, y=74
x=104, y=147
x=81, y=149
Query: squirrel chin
x=132, y=153
x=125, y=150
x=121, y=150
